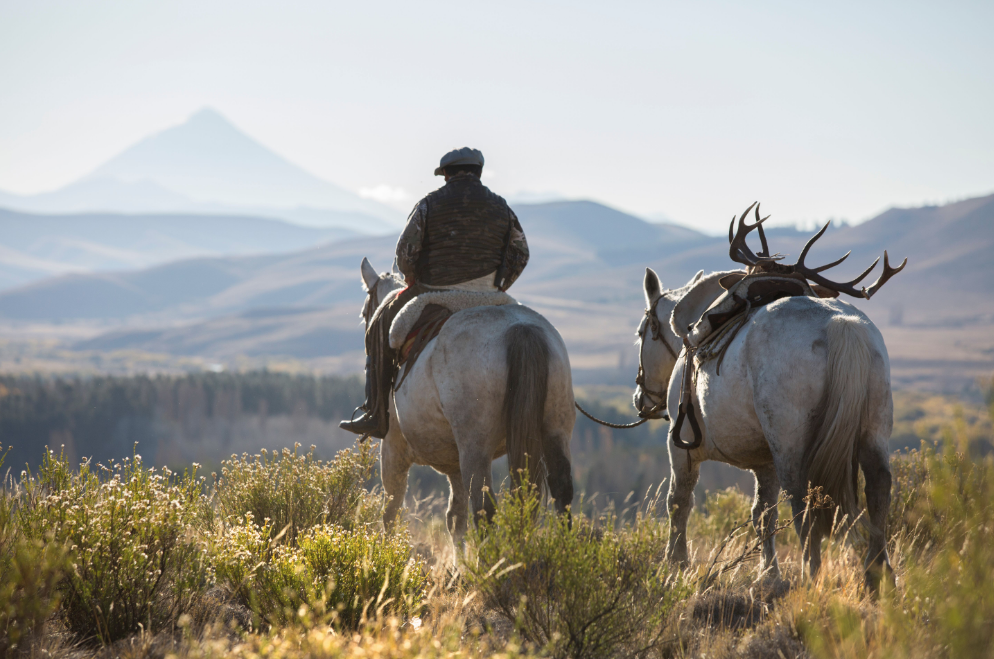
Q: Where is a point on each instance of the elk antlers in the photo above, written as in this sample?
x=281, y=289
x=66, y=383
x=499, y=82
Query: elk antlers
x=740, y=253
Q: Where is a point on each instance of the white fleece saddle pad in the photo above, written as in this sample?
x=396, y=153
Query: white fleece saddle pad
x=453, y=300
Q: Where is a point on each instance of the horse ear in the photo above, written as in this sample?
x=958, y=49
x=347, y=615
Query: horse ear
x=652, y=286
x=369, y=276
x=697, y=277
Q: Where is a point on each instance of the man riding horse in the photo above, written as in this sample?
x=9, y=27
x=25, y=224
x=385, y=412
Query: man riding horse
x=461, y=236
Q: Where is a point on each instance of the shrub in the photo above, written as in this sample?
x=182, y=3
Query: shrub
x=297, y=492
x=948, y=584
x=576, y=590
x=721, y=512
x=943, y=606
x=133, y=560
x=30, y=570
x=910, y=519
x=334, y=572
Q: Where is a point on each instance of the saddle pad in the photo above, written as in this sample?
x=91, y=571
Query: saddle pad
x=453, y=300
x=427, y=327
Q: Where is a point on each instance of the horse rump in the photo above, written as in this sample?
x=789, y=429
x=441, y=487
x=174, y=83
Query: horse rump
x=524, y=401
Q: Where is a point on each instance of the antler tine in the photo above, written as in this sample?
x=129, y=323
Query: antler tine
x=738, y=249
x=762, y=234
x=863, y=274
x=847, y=287
x=842, y=287
x=884, y=276
x=811, y=241
x=807, y=246
x=745, y=213
x=833, y=263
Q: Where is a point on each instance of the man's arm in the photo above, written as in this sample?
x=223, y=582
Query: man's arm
x=411, y=239
x=516, y=257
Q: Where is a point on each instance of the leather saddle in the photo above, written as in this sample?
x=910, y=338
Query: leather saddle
x=750, y=291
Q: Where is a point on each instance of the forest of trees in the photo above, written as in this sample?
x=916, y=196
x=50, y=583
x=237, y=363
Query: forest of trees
x=103, y=417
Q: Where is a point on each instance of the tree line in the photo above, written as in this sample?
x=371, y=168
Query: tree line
x=102, y=417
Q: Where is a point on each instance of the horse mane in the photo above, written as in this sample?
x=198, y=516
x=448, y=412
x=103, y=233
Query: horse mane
x=367, y=310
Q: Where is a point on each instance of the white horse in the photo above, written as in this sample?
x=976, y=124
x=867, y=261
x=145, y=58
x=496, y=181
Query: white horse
x=803, y=399
x=495, y=380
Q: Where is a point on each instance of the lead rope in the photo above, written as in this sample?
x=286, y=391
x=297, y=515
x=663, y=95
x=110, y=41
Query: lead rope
x=623, y=426
x=653, y=323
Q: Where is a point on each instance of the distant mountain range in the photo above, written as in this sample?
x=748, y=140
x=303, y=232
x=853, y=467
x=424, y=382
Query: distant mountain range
x=206, y=165
x=585, y=273
x=35, y=247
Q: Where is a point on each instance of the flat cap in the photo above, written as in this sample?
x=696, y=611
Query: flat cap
x=463, y=156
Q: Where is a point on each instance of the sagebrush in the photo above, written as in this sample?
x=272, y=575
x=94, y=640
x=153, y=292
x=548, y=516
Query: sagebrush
x=573, y=587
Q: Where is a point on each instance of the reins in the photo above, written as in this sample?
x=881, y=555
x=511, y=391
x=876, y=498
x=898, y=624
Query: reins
x=653, y=322
x=686, y=410
x=620, y=426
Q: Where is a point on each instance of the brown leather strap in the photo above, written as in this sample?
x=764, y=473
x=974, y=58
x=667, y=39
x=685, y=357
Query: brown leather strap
x=686, y=410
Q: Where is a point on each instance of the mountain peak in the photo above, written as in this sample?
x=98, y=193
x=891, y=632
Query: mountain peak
x=207, y=114
x=209, y=159
x=207, y=123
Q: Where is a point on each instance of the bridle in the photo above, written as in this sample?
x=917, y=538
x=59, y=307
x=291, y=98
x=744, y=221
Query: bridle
x=654, y=396
x=686, y=410
x=657, y=398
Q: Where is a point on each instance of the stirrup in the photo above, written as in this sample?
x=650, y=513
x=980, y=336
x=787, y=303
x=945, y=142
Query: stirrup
x=362, y=407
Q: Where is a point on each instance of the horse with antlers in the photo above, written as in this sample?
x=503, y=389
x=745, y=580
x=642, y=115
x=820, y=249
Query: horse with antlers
x=789, y=382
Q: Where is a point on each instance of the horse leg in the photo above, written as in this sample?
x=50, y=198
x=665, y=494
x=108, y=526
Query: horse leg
x=560, y=473
x=455, y=515
x=477, y=479
x=875, y=463
x=684, y=473
x=395, y=463
x=764, y=517
x=808, y=531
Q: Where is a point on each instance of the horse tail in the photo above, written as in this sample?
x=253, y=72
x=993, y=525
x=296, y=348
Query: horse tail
x=831, y=458
x=524, y=400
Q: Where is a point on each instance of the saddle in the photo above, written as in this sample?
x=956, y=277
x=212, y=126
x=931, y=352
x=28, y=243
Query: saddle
x=745, y=291
x=711, y=335
x=421, y=319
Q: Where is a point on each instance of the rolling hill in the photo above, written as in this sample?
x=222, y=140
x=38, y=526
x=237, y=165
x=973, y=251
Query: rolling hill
x=326, y=275
x=585, y=274
x=39, y=246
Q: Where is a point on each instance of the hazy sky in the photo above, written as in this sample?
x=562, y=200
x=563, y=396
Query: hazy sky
x=692, y=110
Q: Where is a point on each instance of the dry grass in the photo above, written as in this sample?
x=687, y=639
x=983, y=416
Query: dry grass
x=941, y=546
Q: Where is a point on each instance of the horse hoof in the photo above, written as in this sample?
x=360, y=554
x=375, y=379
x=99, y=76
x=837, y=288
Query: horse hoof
x=878, y=578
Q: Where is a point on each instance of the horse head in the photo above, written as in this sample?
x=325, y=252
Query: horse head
x=378, y=288
x=658, y=349
x=667, y=320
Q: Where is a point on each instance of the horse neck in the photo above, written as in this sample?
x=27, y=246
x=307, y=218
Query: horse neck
x=694, y=301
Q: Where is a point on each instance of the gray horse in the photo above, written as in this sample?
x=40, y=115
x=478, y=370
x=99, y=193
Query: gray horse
x=803, y=399
x=495, y=380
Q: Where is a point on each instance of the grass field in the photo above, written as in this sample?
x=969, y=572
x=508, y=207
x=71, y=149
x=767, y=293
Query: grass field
x=282, y=555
